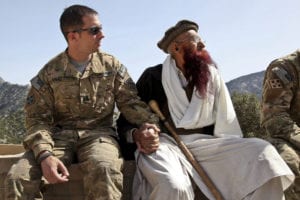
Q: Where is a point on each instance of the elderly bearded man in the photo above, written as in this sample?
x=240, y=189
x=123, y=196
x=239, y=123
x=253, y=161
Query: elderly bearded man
x=194, y=99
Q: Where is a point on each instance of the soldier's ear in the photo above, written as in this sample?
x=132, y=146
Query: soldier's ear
x=72, y=36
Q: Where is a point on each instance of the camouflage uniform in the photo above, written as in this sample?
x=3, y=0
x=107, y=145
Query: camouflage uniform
x=280, y=112
x=71, y=114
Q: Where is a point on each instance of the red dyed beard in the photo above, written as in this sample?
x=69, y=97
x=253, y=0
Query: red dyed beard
x=197, y=69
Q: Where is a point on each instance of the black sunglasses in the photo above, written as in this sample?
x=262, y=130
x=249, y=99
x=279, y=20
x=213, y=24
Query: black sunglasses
x=92, y=30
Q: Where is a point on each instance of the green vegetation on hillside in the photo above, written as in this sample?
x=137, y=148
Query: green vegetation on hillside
x=12, y=127
x=247, y=108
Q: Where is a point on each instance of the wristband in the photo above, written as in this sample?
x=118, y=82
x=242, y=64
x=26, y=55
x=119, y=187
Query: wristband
x=43, y=156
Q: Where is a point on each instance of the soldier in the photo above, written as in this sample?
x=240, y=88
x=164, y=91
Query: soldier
x=280, y=112
x=69, y=115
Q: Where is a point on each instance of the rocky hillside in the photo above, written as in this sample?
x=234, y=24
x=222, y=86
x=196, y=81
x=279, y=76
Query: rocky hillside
x=12, y=99
x=251, y=83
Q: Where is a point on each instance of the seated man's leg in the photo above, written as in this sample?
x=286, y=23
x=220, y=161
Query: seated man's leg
x=101, y=162
x=24, y=178
x=165, y=177
x=23, y=181
x=292, y=158
x=293, y=192
x=245, y=163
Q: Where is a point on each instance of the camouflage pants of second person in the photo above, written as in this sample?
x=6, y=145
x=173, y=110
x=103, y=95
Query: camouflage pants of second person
x=292, y=157
x=98, y=156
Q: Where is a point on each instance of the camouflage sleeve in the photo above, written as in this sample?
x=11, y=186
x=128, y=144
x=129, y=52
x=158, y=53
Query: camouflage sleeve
x=129, y=103
x=38, y=117
x=276, y=101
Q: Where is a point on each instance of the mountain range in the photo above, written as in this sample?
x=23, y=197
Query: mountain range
x=13, y=97
x=251, y=83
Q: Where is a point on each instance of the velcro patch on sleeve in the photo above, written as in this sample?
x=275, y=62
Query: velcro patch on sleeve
x=282, y=74
x=122, y=71
x=37, y=83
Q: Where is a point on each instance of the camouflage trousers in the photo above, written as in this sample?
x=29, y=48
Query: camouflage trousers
x=291, y=156
x=99, y=159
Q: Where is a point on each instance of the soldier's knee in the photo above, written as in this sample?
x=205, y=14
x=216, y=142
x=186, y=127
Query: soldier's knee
x=289, y=154
x=108, y=168
x=18, y=186
x=15, y=175
x=293, y=192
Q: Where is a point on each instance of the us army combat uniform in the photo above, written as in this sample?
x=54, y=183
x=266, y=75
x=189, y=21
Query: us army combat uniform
x=280, y=112
x=71, y=114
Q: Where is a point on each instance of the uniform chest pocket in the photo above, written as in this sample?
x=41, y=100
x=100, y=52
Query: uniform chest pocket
x=65, y=93
x=66, y=87
x=102, y=86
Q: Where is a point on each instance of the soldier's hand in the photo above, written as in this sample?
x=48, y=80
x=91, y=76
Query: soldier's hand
x=147, y=138
x=54, y=170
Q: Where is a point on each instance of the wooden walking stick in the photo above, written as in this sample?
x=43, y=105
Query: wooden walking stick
x=207, y=181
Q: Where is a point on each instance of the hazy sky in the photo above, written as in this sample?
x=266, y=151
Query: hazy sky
x=242, y=36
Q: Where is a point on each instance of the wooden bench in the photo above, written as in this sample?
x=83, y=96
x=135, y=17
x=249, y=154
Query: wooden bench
x=9, y=154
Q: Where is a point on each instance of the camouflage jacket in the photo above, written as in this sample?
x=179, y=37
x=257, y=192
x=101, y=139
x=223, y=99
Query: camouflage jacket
x=280, y=108
x=62, y=98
